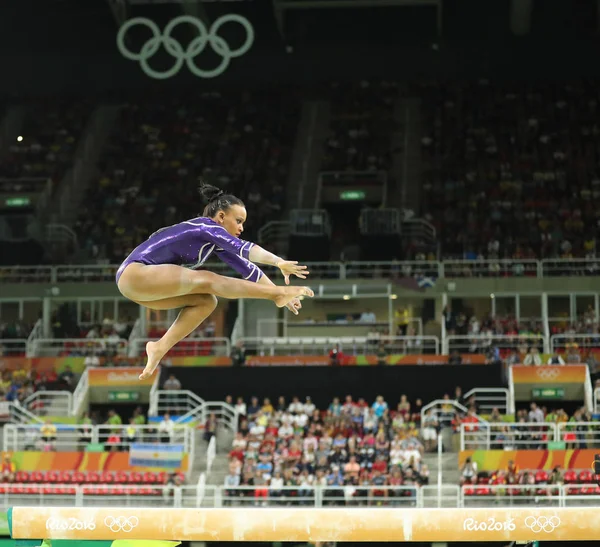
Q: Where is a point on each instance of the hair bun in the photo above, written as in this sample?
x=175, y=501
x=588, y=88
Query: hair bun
x=209, y=192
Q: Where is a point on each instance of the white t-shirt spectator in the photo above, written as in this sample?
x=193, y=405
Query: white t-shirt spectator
x=172, y=384
x=91, y=361
x=367, y=317
x=301, y=420
x=276, y=483
x=241, y=408
x=396, y=456
x=536, y=415
x=309, y=407
x=285, y=431
x=296, y=406
x=167, y=427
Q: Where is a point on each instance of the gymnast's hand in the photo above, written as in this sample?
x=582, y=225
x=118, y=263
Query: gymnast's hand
x=294, y=306
x=291, y=267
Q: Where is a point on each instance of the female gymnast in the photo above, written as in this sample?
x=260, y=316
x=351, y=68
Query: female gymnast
x=162, y=273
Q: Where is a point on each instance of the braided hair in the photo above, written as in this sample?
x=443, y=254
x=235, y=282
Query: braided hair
x=216, y=200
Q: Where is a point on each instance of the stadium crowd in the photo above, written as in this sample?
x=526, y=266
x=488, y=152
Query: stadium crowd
x=240, y=141
x=350, y=447
x=512, y=168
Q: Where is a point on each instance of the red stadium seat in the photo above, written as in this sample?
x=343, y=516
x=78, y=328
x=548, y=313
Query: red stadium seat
x=586, y=476
x=541, y=476
x=107, y=477
x=121, y=477
x=79, y=477
x=570, y=477
x=22, y=476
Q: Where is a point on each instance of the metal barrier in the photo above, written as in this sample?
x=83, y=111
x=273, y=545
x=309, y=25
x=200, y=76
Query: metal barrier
x=432, y=496
x=492, y=268
x=507, y=436
x=488, y=398
x=20, y=415
x=570, y=266
x=186, y=406
x=158, y=495
x=321, y=345
x=562, y=342
x=49, y=403
x=58, y=347
x=94, y=273
x=444, y=411
x=545, y=495
x=80, y=394
x=483, y=343
x=579, y=434
x=74, y=438
x=211, y=454
x=189, y=346
x=13, y=347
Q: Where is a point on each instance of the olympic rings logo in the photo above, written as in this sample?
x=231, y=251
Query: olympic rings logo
x=121, y=524
x=194, y=48
x=549, y=373
x=542, y=524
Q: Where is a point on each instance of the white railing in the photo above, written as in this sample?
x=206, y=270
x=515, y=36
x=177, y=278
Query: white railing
x=91, y=273
x=507, y=436
x=581, y=434
x=444, y=410
x=492, y=268
x=561, y=342
x=80, y=395
x=488, y=398
x=20, y=415
x=74, y=438
x=350, y=345
x=547, y=495
x=57, y=347
x=49, y=403
x=482, y=343
x=211, y=454
x=185, y=406
x=200, y=489
x=165, y=495
x=189, y=346
x=13, y=347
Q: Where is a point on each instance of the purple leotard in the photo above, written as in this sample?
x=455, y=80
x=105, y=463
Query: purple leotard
x=190, y=243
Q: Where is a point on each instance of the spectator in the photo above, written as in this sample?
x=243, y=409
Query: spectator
x=166, y=429
x=8, y=469
x=210, y=429
x=85, y=435
x=67, y=377
x=231, y=483
x=48, y=432
x=240, y=407
x=535, y=414
x=556, y=359
x=368, y=317
x=533, y=357
x=172, y=384
x=468, y=472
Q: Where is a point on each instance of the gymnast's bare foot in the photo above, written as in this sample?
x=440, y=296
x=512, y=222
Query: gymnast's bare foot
x=289, y=293
x=155, y=354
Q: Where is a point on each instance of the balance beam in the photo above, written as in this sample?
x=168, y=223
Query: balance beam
x=305, y=525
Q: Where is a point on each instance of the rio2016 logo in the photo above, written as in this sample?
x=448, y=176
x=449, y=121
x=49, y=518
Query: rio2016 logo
x=489, y=525
x=62, y=525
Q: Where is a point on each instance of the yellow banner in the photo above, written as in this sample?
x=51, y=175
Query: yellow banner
x=308, y=525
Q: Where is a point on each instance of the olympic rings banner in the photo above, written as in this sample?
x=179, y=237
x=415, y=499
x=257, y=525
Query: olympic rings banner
x=205, y=36
x=553, y=374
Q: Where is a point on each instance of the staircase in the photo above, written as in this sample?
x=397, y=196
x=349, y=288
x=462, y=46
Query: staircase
x=313, y=131
x=406, y=158
x=73, y=186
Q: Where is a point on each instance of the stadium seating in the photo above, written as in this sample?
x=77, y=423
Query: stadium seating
x=511, y=168
x=240, y=141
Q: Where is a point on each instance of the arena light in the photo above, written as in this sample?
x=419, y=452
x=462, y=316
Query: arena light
x=346, y=297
